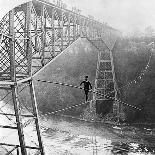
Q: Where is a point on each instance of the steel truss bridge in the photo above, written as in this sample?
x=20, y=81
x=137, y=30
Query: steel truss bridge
x=31, y=35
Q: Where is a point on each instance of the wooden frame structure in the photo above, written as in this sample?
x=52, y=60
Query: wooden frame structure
x=31, y=35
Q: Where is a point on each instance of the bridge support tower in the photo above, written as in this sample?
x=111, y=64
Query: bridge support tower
x=105, y=89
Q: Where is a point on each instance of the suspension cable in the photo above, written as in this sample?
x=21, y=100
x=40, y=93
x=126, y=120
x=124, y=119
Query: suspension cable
x=82, y=88
x=105, y=95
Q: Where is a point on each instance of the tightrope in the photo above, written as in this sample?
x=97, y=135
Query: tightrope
x=73, y=86
x=104, y=95
x=54, y=112
x=126, y=104
x=59, y=83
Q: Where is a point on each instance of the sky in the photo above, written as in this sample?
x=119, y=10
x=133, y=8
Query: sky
x=125, y=15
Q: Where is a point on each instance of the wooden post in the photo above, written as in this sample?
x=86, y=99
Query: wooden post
x=17, y=151
x=43, y=34
x=61, y=29
x=36, y=34
x=28, y=33
x=69, y=29
x=14, y=87
x=74, y=28
x=53, y=32
x=115, y=85
x=80, y=25
x=35, y=112
x=85, y=29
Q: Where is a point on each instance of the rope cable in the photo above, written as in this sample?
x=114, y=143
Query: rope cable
x=105, y=95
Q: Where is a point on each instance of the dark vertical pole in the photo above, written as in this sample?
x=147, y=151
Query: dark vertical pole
x=89, y=29
x=82, y=27
x=32, y=91
x=85, y=30
x=53, y=32
x=28, y=32
x=74, y=28
x=59, y=31
x=43, y=34
x=79, y=26
x=69, y=28
x=36, y=33
x=14, y=87
x=17, y=151
x=35, y=112
x=62, y=23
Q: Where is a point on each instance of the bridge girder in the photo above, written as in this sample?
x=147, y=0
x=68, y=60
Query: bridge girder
x=42, y=31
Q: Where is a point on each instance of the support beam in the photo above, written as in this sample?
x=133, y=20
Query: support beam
x=29, y=147
x=61, y=26
x=43, y=35
x=29, y=42
x=53, y=32
x=74, y=28
x=7, y=127
x=6, y=114
x=18, y=120
x=35, y=112
x=36, y=32
x=69, y=27
x=14, y=87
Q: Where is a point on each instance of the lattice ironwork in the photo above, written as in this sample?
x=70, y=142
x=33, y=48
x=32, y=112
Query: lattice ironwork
x=4, y=24
x=108, y=75
x=105, y=82
x=20, y=54
x=105, y=55
x=105, y=66
x=100, y=75
x=100, y=83
x=109, y=85
x=5, y=58
x=105, y=75
x=98, y=94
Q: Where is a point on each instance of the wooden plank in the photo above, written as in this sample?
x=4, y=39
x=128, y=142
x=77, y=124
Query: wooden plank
x=6, y=114
x=7, y=127
x=6, y=83
x=40, y=58
x=24, y=80
x=29, y=147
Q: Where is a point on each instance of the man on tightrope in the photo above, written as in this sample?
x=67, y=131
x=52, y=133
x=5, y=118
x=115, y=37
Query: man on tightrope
x=87, y=86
